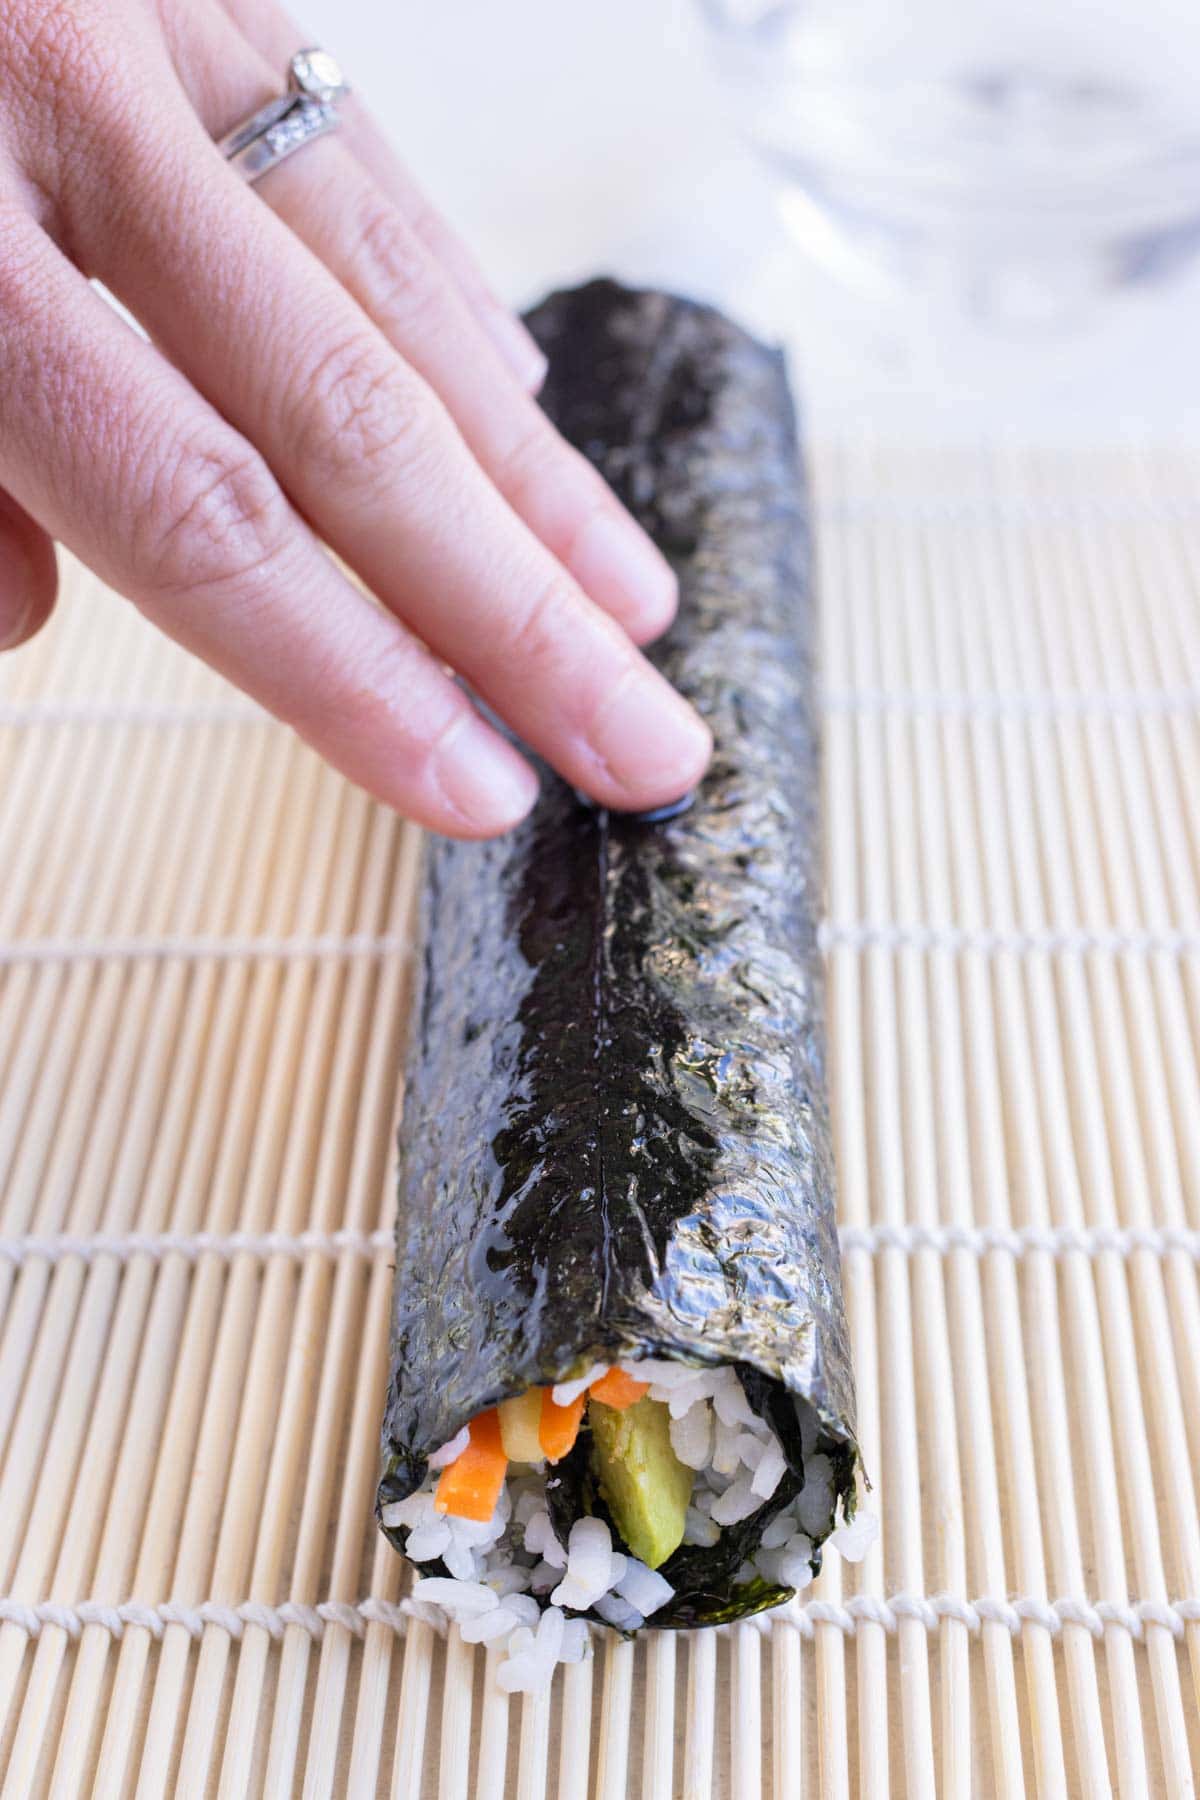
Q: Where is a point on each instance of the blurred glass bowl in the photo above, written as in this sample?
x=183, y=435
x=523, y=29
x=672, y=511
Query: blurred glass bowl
x=1024, y=156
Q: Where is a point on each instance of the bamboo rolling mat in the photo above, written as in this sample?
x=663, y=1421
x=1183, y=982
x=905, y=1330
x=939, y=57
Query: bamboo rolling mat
x=202, y=993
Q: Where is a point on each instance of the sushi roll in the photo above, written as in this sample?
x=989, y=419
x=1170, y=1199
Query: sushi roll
x=620, y=1376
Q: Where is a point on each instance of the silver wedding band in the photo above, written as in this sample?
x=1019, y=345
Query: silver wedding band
x=306, y=111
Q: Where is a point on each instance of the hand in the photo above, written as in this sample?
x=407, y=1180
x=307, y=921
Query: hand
x=327, y=367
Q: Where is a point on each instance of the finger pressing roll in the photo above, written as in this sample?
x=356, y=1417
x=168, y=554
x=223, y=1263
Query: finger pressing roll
x=28, y=574
x=370, y=456
x=109, y=448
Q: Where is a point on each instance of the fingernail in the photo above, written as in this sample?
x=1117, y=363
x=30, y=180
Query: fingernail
x=483, y=778
x=517, y=347
x=618, y=566
x=652, y=742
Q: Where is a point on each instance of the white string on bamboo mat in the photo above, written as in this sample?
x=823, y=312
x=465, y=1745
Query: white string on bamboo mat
x=872, y=935
x=854, y=935
x=909, y=1239
x=353, y=1617
x=928, y=1610
x=124, y=1246
x=203, y=948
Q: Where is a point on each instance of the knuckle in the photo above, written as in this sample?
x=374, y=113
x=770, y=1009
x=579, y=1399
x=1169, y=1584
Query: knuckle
x=217, y=516
x=536, y=638
x=68, y=64
x=400, y=280
x=390, y=695
x=363, y=417
x=528, y=464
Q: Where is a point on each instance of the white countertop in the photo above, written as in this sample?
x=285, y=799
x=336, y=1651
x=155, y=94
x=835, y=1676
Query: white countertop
x=565, y=139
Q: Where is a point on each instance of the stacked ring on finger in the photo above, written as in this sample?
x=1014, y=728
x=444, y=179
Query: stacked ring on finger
x=308, y=110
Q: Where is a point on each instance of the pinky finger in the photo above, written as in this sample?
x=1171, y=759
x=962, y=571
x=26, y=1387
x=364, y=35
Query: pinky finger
x=28, y=575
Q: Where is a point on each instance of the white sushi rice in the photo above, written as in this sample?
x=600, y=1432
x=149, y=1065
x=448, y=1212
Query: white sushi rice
x=502, y=1572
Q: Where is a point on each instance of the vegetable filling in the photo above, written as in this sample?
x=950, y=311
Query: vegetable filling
x=662, y=1455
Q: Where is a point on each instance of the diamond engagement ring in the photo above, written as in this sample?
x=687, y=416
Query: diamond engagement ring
x=307, y=111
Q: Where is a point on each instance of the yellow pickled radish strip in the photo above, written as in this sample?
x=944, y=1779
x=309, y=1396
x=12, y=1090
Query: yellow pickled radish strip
x=470, y=1487
x=520, y=1423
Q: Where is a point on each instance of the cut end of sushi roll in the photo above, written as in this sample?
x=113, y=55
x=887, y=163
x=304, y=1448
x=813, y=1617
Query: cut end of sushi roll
x=673, y=1483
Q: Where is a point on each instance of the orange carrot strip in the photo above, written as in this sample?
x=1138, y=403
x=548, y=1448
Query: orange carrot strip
x=559, y=1425
x=617, y=1389
x=470, y=1486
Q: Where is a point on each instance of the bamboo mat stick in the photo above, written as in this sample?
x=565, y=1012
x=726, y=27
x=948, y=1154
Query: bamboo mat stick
x=55, y=1293
x=455, y=1744
x=321, y=1343
x=966, y=1305
x=1030, y=1041
x=885, y=1136
x=1150, y=1143
x=1154, y=862
x=409, y=1765
x=576, y=1727
x=211, y=1177
x=1013, y=1413
x=257, y=1305
x=787, y=1712
x=533, y=1752
x=374, y=1675
x=658, y=1719
x=848, y=1117
x=941, y=1485
x=701, y=1706
x=165, y=1171
x=613, y=1764
x=491, y=1777
x=117, y=1369
x=1085, y=1089
x=1048, y=1175
x=60, y=840
x=745, y=1690
x=364, y=1177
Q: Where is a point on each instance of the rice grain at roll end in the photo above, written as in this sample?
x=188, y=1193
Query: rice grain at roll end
x=620, y=1376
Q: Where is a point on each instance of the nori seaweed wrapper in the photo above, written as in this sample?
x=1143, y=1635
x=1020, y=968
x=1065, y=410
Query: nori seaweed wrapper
x=615, y=1137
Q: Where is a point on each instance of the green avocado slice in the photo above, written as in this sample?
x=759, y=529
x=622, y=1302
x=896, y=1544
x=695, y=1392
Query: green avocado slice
x=644, y=1485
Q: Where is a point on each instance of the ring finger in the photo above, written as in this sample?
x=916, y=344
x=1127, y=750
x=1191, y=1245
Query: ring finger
x=276, y=38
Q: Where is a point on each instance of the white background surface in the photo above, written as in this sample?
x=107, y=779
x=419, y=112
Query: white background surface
x=567, y=137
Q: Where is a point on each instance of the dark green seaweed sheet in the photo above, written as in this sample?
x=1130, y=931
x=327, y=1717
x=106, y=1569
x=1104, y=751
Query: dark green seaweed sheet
x=615, y=1136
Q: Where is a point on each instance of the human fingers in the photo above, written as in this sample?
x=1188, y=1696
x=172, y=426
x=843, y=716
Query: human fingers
x=276, y=38
x=111, y=450
x=371, y=458
x=339, y=210
x=28, y=574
